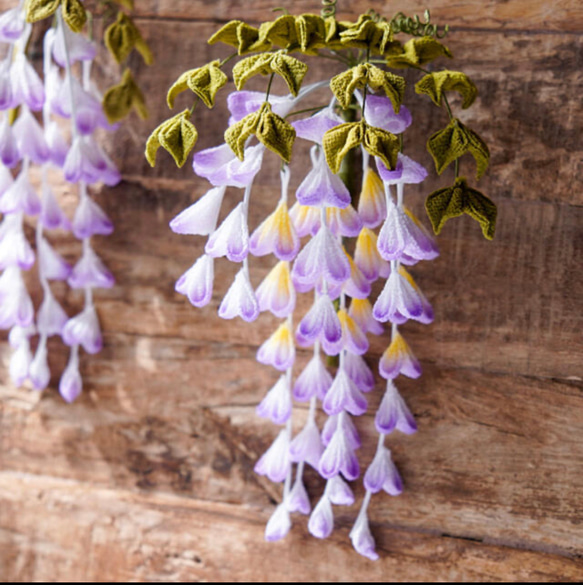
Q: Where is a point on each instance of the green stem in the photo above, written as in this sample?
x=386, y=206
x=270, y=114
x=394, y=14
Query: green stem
x=269, y=87
x=227, y=59
x=316, y=109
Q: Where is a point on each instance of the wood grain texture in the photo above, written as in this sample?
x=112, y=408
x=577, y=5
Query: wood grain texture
x=149, y=475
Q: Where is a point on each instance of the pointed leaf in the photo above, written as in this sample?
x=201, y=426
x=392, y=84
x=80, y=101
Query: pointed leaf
x=237, y=134
x=344, y=84
x=436, y=84
x=204, y=81
x=338, y=141
x=393, y=85
x=120, y=37
x=418, y=51
x=251, y=66
x=381, y=143
x=291, y=69
x=177, y=135
x=121, y=98
x=276, y=134
x=74, y=14
x=280, y=32
x=40, y=9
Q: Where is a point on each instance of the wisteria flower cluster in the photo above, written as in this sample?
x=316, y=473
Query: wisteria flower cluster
x=328, y=242
x=51, y=144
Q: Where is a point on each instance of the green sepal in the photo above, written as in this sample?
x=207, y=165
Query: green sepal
x=449, y=144
x=338, y=141
x=243, y=37
x=436, y=84
x=280, y=32
x=251, y=66
x=204, y=81
x=40, y=9
x=74, y=14
x=176, y=135
x=418, y=51
x=393, y=85
x=120, y=37
x=458, y=199
x=381, y=143
x=310, y=32
x=120, y=99
x=237, y=134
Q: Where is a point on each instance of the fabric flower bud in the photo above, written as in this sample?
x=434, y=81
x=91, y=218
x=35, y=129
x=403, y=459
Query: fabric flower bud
x=197, y=282
x=343, y=222
x=51, y=215
x=221, y=167
x=20, y=361
x=366, y=254
x=339, y=457
x=20, y=196
x=306, y=219
x=307, y=445
x=84, y=330
x=51, y=318
x=393, y=413
x=27, y=87
x=380, y=113
x=339, y=491
x=357, y=286
x=274, y=463
x=19, y=335
x=16, y=307
x=240, y=300
x=279, y=350
x=106, y=169
x=362, y=539
x=12, y=25
x=277, y=404
x=6, y=96
x=57, y=146
x=200, y=219
x=321, y=522
x=39, y=372
x=71, y=383
x=354, y=339
x=383, y=475
x=276, y=235
x=398, y=301
x=348, y=428
x=232, y=237
x=321, y=324
x=52, y=265
x=372, y=206
x=9, y=153
x=406, y=172
x=276, y=292
x=90, y=220
x=15, y=250
x=278, y=525
x=361, y=311
x=359, y=372
x=78, y=165
x=399, y=359
x=298, y=500
x=90, y=272
x=315, y=380
x=30, y=138
x=344, y=394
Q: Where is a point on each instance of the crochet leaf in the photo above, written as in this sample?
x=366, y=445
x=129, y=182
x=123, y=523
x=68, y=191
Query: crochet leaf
x=275, y=133
x=237, y=134
x=393, y=85
x=344, y=84
x=74, y=14
x=291, y=69
x=310, y=32
x=366, y=33
x=379, y=142
x=204, y=81
x=418, y=51
x=120, y=99
x=40, y=9
x=120, y=37
x=280, y=32
x=177, y=135
x=240, y=35
x=338, y=141
x=436, y=84
x=251, y=66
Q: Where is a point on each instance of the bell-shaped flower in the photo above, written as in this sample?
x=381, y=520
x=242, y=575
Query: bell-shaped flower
x=87, y=162
x=51, y=318
x=279, y=349
x=84, y=330
x=27, y=87
x=348, y=429
x=357, y=286
x=322, y=187
x=243, y=103
x=307, y=445
x=197, y=282
x=16, y=306
x=30, y=138
x=52, y=264
x=20, y=196
x=321, y=522
x=221, y=167
x=362, y=539
x=382, y=474
x=54, y=88
x=399, y=359
x=276, y=293
x=323, y=257
x=278, y=525
x=78, y=47
x=343, y=222
x=393, y=413
x=12, y=25
x=15, y=250
x=19, y=335
x=275, y=463
x=90, y=272
x=298, y=499
x=277, y=404
x=9, y=153
x=20, y=361
x=57, y=145
x=200, y=219
x=240, y=300
x=321, y=324
x=354, y=339
x=339, y=457
x=108, y=173
x=361, y=311
x=314, y=127
x=90, y=220
x=306, y=219
x=359, y=372
x=406, y=172
x=344, y=394
x=366, y=254
x=51, y=214
x=276, y=235
x=71, y=383
x=379, y=112
x=315, y=380
x=339, y=491
x=372, y=206
x=232, y=237
x=39, y=372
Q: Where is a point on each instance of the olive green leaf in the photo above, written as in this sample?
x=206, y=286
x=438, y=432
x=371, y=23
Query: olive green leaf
x=393, y=85
x=310, y=32
x=121, y=98
x=338, y=141
x=363, y=34
x=418, y=51
x=251, y=66
x=276, y=134
x=40, y=9
x=436, y=84
x=204, y=81
x=447, y=145
x=120, y=37
x=74, y=14
x=177, y=135
x=240, y=35
x=344, y=84
x=379, y=142
x=144, y=50
x=453, y=201
x=237, y=134
x=280, y=32
x=129, y=4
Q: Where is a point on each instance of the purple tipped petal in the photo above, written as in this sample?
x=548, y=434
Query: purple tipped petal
x=71, y=383
x=278, y=525
x=84, y=330
x=90, y=220
x=232, y=237
x=52, y=265
x=407, y=172
x=51, y=318
x=298, y=499
x=90, y=272
x=275, y=463
x=20, y=196
x=359, y=372
x=321, y=522
x=314, y=380
x=20, y=363
x=307, y=445
x=348, y=429
x=339, y=457
x=277, y=403
x=314, y=127
x=240, y=300
x=344, y=395
x=30, y=139
x=339, y=491
x=27, y=87
x=201, y=217
x=321, y=323
x=197, y=282
x=39, y=372
x=362, y=539
x=393, y=413
x=379, y=112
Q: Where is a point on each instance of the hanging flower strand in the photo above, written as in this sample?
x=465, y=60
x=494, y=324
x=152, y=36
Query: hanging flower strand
x=363, y=116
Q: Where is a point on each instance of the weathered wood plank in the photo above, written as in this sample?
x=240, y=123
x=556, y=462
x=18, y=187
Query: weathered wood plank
x=168, y=538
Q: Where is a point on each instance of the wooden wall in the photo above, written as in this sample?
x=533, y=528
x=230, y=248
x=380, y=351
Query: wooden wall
x=149, y=475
